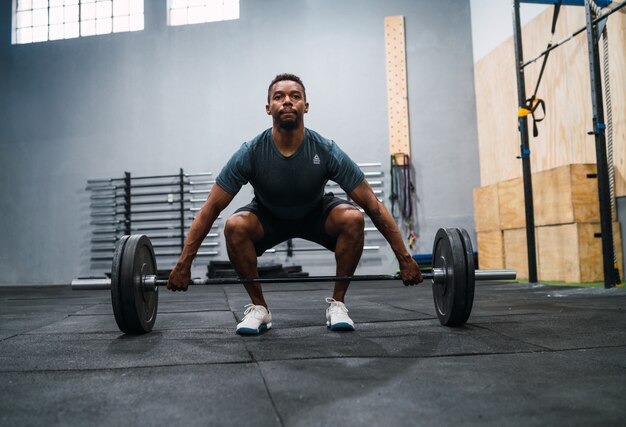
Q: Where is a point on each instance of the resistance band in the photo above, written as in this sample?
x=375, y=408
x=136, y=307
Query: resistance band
x=401, y=188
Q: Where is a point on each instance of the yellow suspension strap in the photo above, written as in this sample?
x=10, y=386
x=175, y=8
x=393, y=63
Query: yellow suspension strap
x=530, y=108
x=532, y=103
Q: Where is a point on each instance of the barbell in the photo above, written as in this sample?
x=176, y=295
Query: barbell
x=134, y=283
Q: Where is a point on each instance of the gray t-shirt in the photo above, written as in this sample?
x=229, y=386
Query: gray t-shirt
x=289, y=187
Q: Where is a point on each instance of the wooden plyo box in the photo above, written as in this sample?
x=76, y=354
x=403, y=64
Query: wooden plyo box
x=486, y=209
x=566, y=194
x=490, y=250
x=573, y=252
x=516, y=251
x=511, y=204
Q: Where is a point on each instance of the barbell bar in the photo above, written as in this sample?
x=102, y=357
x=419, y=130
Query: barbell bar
x=157, y=246
x=114, y=196
x=109, y=256
x=186, y=175
x=134, y=284
x=168, y=201
x=171, y=254
x=113, y=187
x=134, y=220
x=172, y=209
x=113, y=239
x=150, y=281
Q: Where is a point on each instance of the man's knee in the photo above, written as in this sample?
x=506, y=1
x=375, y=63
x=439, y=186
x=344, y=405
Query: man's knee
x=240, y=227
x=356, y=222
x=347, y=220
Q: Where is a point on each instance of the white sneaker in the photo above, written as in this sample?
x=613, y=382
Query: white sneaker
x=256, y=318
x=337, y=318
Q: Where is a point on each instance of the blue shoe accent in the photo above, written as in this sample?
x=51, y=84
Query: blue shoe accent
x=342, y=326
x=250, y=331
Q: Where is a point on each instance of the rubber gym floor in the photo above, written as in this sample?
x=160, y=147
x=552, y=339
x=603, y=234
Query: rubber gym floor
x=530, y=355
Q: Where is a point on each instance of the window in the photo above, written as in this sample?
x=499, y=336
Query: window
x=42, y=20
x=183, y=12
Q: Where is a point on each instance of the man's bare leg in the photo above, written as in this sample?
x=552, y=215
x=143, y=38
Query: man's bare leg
x=347, y=223
x=241, y=231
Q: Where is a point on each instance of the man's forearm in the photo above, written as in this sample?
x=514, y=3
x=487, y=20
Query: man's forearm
x=202, y=223
x=385, y=223
x=197, y=232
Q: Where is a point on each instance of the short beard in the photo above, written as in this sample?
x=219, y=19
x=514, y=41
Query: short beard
x=289, y=125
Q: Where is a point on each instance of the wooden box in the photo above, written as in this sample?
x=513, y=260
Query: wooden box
x=566, y=194
x=511, y=204
x=486, y=209
x=573, y=252
x=490, y=250
x=516, y=251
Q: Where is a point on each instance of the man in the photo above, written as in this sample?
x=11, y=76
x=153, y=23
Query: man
x=288, y=166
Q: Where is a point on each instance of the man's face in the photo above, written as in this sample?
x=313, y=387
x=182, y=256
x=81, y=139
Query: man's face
x=287, y=104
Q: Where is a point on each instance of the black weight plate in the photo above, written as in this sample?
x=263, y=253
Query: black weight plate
x=470, y=278
x=139, y=306
x=219, y=273
x=271, y=270
x=217, y=265
x=116, y=290
x=449, y=296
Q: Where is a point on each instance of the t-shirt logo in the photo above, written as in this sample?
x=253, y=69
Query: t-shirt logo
x=316, y=160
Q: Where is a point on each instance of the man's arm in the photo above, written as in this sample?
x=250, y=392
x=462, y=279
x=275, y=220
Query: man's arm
x=216, y=202
x=384, y=222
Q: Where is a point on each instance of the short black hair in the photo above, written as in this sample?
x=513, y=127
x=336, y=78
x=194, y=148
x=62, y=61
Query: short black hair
x=286, y=76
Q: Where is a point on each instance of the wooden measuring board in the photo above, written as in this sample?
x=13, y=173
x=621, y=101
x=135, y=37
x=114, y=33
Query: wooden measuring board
x=397, y=94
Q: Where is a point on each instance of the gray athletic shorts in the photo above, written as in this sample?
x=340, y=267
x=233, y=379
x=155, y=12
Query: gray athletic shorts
x=310, y=227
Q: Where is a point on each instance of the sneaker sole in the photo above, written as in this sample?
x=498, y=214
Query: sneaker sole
x=340, y=327
x=250, y=331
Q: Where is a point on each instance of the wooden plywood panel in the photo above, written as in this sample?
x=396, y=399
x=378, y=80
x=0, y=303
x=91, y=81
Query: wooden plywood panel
x=557, y=248
x=496, y=114
x=566, y=194
x=516, y=251
x=486, y=208
x=397, y=94
x=585, y=193
x=490, y=250
x=552, y=196
x=565, y=86
x=511, y=204
x=573, y=252
x=590, y=249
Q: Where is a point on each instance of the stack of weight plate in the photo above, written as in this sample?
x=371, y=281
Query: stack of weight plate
x=221, y=269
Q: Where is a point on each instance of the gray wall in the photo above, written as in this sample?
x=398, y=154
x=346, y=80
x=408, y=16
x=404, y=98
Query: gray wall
x=152, y=101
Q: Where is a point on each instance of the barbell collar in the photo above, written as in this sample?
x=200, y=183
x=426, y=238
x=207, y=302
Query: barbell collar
x=495, y=274
x=91, y=284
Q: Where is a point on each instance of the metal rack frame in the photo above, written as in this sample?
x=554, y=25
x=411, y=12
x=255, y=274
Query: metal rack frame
x=128, y=205
x=593, y=29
